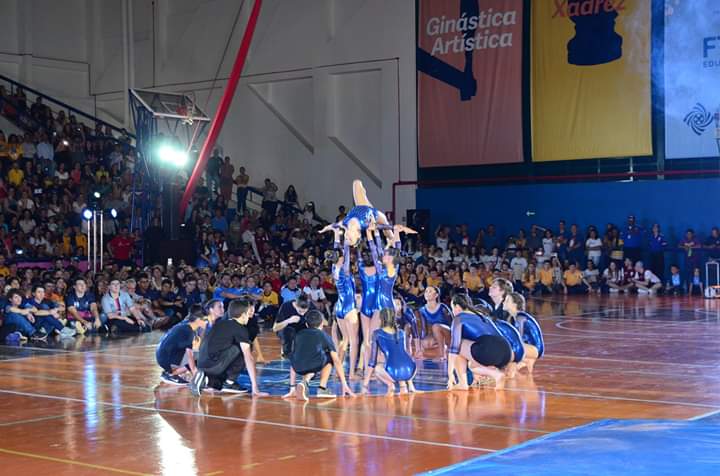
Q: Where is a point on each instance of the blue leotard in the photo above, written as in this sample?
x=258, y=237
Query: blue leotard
x=363, y=213
x=408, y=317
x=345, y=285
x=530, y=330
x=441, y=316
x=512, y=336
x=369, y=292
x=469, y=326
x=398, y=364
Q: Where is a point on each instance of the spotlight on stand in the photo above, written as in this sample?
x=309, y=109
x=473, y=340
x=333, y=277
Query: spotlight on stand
x=87, y=214
x=96, y=194
x=113, y=213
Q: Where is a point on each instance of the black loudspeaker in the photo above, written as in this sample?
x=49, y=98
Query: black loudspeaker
x=171, y=195
x=419, y=220
x=176, y=250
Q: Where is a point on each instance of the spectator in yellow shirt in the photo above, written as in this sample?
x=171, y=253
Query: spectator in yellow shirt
x=473, y=282
x=15, y=175
x=269, y=302
x=530, y=279
x=573, y=281
x=545, y=276
x=434, y=279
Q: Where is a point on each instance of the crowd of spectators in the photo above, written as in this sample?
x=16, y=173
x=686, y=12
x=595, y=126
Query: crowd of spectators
x=272, y=252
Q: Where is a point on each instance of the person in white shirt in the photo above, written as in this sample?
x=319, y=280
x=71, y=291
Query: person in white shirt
x=645, y=281
x=592, y=276
x=316, y=295
x=518, y=264
x=593, y=245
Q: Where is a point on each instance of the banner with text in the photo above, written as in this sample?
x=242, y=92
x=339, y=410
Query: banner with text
x=469, y=61
x=692, y=74
x=590, y=79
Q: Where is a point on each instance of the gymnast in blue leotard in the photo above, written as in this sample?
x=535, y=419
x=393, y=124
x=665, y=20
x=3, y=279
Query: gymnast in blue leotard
x=437, y=317
x=528, y=328
x=345, y=307
x=475, y=342
x=399, y=366
x=407, y=320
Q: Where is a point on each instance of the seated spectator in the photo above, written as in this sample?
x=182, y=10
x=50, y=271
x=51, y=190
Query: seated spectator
x=530, y=282
x=546, y=279
x=82, y=308
x=20, y=318
x=675, y=285
x=573, y=281
x=591, y=275
x=695, y=287
x=645, y=281
x=122, y=313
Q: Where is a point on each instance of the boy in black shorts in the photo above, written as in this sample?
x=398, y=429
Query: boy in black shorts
x=313, y=352
x=225, y=352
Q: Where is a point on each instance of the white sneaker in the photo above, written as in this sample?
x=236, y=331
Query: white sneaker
x=614, y=290
x=67, y=332
x=643, y=291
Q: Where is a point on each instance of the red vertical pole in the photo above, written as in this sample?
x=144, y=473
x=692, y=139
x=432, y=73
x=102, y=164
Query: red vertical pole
x=222, y=110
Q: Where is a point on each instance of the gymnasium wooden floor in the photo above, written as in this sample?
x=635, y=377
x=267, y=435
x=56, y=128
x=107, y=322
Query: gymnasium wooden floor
x=95, y=407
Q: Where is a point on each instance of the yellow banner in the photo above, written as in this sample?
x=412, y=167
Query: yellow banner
x=590, y=79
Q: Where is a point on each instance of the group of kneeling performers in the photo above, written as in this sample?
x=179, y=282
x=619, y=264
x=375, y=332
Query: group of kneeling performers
x=492, y=340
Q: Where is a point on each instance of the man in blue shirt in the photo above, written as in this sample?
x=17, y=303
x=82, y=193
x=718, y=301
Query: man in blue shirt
x=290, y=291
x=47, y=316
x=219, y=222
x=82, y=307
x=632, y=238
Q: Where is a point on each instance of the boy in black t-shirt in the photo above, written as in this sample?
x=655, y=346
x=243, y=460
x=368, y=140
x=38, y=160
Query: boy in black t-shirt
x=225, y=352
x=290, y=320
x=313, y=352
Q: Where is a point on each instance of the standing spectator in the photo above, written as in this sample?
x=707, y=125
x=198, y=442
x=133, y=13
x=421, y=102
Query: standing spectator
x=242, y=181
x=657, y=245
x=593, y=246
x=269, y=203
x=695, y=287
x=46, y=155
x=575, y=245
x=712, y=244
x=227, y=172
x=291, y=200
x=548, y=244
x=615, y=247
x=121, y=247
x=691, y=250
x=534, y=240
x=213, y=171
x=632, y=240
x=518, y=264
x=561, y=241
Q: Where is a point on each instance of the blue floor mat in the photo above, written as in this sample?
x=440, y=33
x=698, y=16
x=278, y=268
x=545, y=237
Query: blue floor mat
x=607, y=447
x=274, y=378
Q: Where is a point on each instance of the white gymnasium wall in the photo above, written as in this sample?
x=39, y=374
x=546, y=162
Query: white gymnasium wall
x=327, y=95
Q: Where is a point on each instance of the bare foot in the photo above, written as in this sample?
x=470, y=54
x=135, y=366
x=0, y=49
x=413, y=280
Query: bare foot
x=290, y=394
x=403, y=389
x=531, y=365
x=461, y=386
x=511, y=370
x=390, y=391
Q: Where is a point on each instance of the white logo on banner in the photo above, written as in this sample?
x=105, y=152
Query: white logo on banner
x=692, y=92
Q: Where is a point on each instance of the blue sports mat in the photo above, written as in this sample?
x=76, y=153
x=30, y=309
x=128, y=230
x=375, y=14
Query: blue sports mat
x=274, y=378
x=608, y=447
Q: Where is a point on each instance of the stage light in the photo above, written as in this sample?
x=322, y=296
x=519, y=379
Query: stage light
x=96, y=194
x=172, y=155
x=113, y=213
x=87, y=214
